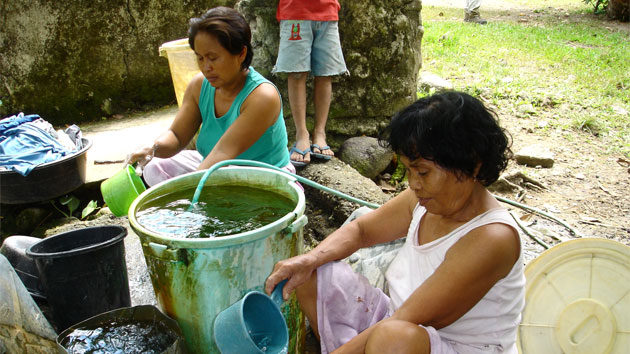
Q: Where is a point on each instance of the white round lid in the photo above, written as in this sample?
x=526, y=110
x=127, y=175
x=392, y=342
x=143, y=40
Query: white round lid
x=577, y=299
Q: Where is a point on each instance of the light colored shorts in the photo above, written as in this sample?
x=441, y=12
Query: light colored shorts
x=310, y=46
x=347, y=305
x=158, y=169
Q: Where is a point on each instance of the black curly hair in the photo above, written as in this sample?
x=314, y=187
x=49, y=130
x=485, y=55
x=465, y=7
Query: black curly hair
x=454, y=130
x=229, y=27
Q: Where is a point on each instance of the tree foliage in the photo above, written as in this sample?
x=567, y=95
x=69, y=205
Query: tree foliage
x=599, y=6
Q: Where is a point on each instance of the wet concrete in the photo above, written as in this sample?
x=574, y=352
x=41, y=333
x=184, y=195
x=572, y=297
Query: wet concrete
x=113, y=139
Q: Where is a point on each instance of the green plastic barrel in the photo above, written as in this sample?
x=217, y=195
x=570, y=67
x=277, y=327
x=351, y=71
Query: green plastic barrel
x=196, y=278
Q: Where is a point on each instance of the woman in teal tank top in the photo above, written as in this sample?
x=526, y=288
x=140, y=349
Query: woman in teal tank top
x=237, y=112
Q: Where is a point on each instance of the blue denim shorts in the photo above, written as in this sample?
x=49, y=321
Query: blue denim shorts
x=310, y=46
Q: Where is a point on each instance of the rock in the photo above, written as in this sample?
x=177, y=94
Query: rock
x=429, y=80
x=445, y=37
x=526, y=108
x=123, y=71
x=535, y=155
x=327, y=211
x=503, y=185
x=28, y=219
x=365, y=155
x=619, y=110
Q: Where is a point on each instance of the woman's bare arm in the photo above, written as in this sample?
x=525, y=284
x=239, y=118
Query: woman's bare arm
x=387, y=223
x=470, y=269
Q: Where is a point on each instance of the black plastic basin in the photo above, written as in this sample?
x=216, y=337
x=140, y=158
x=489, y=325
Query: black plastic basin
x=47, y=181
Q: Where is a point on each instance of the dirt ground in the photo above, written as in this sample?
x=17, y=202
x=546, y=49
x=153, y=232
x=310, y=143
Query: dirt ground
x=587, y=187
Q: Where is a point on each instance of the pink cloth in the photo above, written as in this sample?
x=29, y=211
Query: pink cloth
x=159, y=170
x=347, y=305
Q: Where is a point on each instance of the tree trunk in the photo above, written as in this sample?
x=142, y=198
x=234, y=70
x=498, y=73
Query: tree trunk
x=619, y=10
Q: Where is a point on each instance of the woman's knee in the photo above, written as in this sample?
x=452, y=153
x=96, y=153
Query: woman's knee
x=153, y=173
x=396, y=336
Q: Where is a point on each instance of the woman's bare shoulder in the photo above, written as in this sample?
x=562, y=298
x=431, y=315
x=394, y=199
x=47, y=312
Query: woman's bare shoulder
x=193, y=90
x=266, y=92
x=263, y=100
x=498, y=242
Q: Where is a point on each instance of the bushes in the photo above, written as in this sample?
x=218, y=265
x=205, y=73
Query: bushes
x=599, y=6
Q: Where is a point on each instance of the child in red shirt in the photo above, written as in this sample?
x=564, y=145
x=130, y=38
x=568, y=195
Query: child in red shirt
x=309, y=42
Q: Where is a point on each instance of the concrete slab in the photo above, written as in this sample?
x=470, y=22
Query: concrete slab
x=113, y=139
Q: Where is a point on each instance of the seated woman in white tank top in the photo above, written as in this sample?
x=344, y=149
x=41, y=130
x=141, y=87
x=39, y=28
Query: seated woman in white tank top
x=457, y=284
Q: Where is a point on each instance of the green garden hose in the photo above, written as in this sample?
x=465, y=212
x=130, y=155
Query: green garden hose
x=538, y=211
x=308, y=182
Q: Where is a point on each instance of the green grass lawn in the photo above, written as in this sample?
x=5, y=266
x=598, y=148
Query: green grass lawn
x=573, y=67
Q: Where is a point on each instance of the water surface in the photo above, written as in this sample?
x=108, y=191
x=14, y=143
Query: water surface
x=221, y=211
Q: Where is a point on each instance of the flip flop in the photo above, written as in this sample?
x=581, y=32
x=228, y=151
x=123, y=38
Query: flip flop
x=318, y=155
x=301, y=152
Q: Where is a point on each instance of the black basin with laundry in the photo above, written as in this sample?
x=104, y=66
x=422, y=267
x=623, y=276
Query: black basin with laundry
x=46, y=181
x=38, y=163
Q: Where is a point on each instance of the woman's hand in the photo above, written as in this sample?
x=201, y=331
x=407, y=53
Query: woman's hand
x=142, y=156
x=297, y=270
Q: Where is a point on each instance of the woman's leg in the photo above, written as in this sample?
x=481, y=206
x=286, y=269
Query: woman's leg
x=346, y=304
x=400, y=337
x=158, y=170
x=397, y=336
x=307, y=297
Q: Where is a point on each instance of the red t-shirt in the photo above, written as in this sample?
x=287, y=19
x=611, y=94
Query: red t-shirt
x=314, y=10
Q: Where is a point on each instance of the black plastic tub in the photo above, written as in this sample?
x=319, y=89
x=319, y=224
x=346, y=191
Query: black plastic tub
x=162, y=326
x=14, y=248
x=47, y=181
x=83, y=273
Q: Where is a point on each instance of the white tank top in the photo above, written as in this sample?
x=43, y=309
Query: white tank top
x=491, y=325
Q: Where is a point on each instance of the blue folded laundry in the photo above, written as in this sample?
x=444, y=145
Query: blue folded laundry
x=24, y=144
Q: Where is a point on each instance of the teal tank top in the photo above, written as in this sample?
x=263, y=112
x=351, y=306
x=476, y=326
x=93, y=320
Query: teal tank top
x=270, y=148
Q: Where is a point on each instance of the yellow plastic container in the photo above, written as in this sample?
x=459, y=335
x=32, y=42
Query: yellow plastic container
x=183, y=65
x=578, y=299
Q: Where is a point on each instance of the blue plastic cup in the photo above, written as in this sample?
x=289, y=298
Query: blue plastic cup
x=254, y=324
